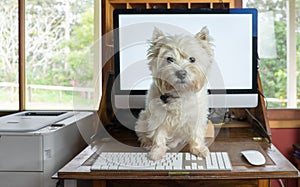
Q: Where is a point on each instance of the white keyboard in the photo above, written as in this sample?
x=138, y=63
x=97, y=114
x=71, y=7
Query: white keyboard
x=172, y=161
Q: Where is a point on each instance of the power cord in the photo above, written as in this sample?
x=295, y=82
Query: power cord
x=265, y=98
x=280, y=182
x=259, y=124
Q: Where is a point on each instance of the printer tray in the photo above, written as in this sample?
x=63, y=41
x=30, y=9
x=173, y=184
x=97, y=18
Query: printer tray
x=31, y=120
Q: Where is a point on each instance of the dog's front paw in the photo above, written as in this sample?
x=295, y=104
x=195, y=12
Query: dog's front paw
x=202, y=151
x=157, y=153
x=146, y=143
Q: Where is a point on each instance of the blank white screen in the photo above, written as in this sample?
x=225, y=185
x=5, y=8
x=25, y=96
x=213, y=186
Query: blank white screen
x=232, y=34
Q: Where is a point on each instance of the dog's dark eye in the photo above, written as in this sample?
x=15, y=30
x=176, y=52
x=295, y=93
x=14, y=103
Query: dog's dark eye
x=192, y=59
x=170, y=60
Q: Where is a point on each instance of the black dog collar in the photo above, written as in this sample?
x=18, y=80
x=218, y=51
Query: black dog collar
x=164, y=98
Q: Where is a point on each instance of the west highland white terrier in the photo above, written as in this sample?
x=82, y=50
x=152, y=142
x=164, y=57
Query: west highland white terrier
x=177, y=103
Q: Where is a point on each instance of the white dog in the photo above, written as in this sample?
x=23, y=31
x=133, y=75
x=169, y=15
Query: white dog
x=177, y=105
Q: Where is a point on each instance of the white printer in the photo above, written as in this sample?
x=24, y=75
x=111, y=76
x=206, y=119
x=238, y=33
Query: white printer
x=36, y=144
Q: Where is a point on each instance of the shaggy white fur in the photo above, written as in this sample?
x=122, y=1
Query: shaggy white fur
x=177, y=105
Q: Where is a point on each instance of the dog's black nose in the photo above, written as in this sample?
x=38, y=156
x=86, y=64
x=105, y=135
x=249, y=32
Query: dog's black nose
x=181, y=74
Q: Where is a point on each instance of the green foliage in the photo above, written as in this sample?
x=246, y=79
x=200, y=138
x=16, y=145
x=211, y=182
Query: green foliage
x=82, y=32
x=81, y=56
x=59, y=44
x=274, y=71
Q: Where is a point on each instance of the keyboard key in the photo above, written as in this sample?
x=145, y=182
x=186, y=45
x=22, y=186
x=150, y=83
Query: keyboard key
x=136, y=168
x=226, y=160
x=193, y=157
x=187, y=156
x=194, y=166
x=220, y=160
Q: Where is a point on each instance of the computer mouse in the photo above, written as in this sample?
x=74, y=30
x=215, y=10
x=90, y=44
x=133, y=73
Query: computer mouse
x=254, y=157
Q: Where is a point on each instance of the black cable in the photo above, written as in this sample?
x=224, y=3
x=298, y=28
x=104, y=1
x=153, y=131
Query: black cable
x=265, y=98
x=259, y=124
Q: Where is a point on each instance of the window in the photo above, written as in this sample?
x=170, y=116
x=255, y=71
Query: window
x=61, y=68
x=279, y=50
x=9, y=56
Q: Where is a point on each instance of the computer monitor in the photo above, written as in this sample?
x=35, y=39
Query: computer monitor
x=232, y=81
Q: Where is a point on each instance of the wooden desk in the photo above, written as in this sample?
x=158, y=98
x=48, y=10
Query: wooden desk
x=297, y=162
x=232, y=140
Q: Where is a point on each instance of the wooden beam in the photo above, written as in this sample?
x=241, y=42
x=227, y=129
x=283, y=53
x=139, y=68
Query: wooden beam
x=22, y=76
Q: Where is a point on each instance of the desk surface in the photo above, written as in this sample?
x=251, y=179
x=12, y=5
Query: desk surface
x=231, y=140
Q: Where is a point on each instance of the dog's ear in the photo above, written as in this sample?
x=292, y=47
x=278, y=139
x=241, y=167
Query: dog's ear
x=155, y=43
x=203, y=35
x=157, y=34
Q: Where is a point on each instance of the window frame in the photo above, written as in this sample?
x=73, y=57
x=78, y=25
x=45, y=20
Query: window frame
x=291, y=55
x=22, y=73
